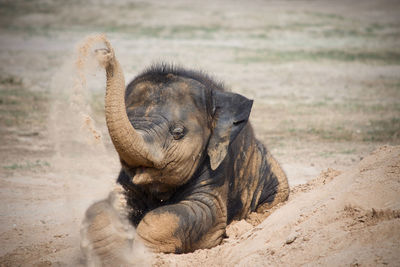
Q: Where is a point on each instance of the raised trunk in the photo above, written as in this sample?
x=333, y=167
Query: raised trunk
x=131, y=147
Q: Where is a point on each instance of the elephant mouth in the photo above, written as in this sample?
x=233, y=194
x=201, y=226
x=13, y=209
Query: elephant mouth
x=151, y=181
x=145, y=175
x=151, y=178
x=157, y=182
x=160, y=191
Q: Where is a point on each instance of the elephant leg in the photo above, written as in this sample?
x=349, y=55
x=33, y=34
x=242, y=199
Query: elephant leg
x=106, y=236
x=283, y=187
x=276, y=186
x=195, y=223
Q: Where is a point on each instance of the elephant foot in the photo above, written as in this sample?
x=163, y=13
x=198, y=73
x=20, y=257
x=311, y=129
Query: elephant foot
x=107, y=238
x=104, y=237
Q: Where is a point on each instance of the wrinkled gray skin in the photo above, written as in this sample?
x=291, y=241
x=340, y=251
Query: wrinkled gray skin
x=190, y=161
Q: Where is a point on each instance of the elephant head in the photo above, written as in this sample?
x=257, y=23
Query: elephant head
x=169, y=121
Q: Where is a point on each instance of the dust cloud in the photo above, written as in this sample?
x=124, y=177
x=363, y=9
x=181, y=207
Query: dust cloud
x=80, y=153
x=72, y=126
x=81, y=157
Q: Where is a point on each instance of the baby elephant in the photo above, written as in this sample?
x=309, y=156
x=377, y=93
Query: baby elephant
x=190, y=161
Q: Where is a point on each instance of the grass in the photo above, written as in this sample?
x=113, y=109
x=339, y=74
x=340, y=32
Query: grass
x=326, y=16
x=387, y=130
x=331, y=134
x=19, y=106
x=349, y=151
x=362, y=32
x=166, y=32
x=27, y=165
x=355, y=120
x=18, y=8
x=293, y=26
x=326, y=154
x=11, y=80
x=350, y=106
x=275, y=56
x=377, y=130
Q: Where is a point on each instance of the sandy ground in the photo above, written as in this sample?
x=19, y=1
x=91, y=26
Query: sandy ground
x=325, y=79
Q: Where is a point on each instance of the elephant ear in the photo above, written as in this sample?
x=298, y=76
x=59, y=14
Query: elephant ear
x=231, y=113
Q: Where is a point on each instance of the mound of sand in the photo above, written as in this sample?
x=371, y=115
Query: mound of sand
x=351, y=218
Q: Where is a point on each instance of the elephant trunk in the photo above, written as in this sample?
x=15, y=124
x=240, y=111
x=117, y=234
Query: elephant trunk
x=129, y=143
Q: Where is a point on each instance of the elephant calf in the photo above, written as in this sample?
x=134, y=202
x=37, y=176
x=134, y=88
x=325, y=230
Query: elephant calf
x=190, y=161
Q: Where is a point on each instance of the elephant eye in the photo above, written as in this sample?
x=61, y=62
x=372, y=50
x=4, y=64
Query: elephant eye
x=177, y=132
